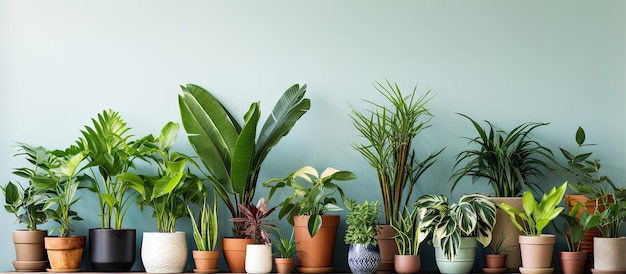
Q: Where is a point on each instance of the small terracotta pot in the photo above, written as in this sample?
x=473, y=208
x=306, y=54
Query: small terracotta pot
x=407, y=264
x=573, y=262
x=495, y=260
x=388, y=247
x=65, y=253
x=284, y=265
x=235, y=253
x=205, y=260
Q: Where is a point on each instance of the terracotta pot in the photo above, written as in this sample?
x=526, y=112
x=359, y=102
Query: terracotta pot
x=316, y=252
x=537, y=250
x=495, y=260
x=65, y=253
x=29, y=246
x=407, y=264
x=573, y=262
x=609, y=254
x=504, y=228
x=235, y=253
x=205, y=260
x=284, y=265
x=388, y=247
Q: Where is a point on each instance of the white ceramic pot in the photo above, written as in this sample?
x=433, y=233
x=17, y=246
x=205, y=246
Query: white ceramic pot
x=258, y=258
x=164, y=252
x=608, y=254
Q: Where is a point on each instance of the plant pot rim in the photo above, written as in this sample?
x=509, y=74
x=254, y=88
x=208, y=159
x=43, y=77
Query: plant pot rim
x=115, y=229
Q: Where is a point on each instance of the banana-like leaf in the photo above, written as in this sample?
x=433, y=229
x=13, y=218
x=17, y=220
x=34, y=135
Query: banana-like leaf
x=244, y=152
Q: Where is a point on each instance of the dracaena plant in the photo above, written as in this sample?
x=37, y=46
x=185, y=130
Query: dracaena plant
x=507, y=161
x=312, y=196
x=230, y=151
x=473, y=216
x=389, y=132
x=254, y=221
x=536, y=215
x=27, y=202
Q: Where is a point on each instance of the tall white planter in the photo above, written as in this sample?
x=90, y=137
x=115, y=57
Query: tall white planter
x=608, y=254
x=164, y=252
x=258, y=258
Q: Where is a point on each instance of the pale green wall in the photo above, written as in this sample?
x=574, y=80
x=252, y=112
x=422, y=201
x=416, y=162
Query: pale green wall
x=62, y=62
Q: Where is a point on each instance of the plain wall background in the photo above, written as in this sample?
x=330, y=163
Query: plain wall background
x=63, y=62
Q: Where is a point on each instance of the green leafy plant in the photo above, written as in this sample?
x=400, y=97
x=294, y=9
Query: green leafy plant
x=473, y=216
x=408, y=237
x=231, y=152
x=574, y=228
x=111, y=152
x=254, y=221
x=173, y=187
x=205, y=228
x=506, y=160
x=389, y=132
x=312, y=197
x=498, y=247
x=363, y=223
x=536, y=215
x=285, y=245
x=27, y=203
x=612, y=217
x=60, y=184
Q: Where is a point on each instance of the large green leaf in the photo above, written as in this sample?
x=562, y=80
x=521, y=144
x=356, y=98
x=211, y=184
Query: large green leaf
x=244, y=151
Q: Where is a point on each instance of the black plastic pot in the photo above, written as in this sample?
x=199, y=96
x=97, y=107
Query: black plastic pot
x=112, y=250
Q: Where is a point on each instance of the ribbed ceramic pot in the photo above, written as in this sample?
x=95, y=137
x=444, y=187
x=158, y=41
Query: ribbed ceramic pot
x=464, y=260
x=164, y=252
x=363, y=259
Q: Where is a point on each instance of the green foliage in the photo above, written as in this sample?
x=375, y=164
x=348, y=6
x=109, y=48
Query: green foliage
x=286, y=246
x=254, y=221
x=362, y=221
x=228, y=150
x=205, y=229
x=536, y=215
x=389, y=133
x=111, y=152
x=473, y=216
x=408, y=237
x=173, y=187
x=507, y=160
x=574, y=228
x=312, y=197
x=27, y=203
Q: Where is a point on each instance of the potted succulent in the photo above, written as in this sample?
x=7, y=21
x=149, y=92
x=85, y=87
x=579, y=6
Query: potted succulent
x=305, y=207
x=536, y=247
x=205, y=233
x=573, y=260
x=167, y=192
x=59, y=187
x=455, y=228
x=362, y=228
x=389, y=132
x=408, y=239
x=286, y=250
x=507, y=161
x=26, y=204
x=258, y=256
x=111, y=153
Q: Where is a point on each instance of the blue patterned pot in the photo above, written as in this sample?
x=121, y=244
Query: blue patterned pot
x=363, y=259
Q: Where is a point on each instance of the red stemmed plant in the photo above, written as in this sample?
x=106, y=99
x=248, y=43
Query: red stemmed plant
x=254, y=221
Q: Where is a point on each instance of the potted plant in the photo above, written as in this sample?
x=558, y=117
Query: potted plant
x=507, y=161
x=111, y=153
x=536, y=248
x=389, y=132
x=408, y=239
x=610, y=244
x=286, y=250
x=167, y=192
x=573, y=260
x=495, y=258
x=258, y=256
x=26, y=204
x=205, y=233
x=362, y=228
x=305, y=207
x=59, y=187
x=455, y=228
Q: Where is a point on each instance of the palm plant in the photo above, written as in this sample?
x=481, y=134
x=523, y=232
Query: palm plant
x=231, y=152
x=389, y=132
x=473, y=216
x=507, y=160
x=285, y=245
x=112, y=153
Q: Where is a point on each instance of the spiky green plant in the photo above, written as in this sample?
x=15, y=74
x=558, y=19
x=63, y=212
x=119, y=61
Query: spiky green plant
x=408, y=237
x=506, y=160
x=205, y=229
